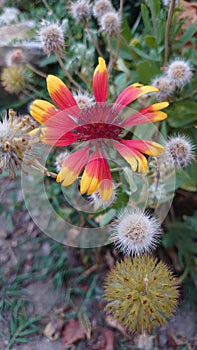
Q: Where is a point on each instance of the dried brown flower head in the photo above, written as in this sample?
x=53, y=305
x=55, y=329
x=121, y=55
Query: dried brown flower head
x=17, y=141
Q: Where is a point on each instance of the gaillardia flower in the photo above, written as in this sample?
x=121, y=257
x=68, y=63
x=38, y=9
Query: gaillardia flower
x=97, y=129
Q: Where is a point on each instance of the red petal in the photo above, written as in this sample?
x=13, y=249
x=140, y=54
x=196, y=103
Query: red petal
x=146, y=115
x=59, y=93
x=73, y=166
x=100, y=81
x=130, y=94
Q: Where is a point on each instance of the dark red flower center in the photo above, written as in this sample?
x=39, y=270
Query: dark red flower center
x=98, y=131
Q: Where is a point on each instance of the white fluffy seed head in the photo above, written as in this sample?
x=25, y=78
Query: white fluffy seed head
x=179, y=72
x=60, y=159
x=135, y=232
x=83, y=100
x=101, y=7
x=51, y=37
x=178, y=152
x=165, y=86
x=80, y=10
x=110, y=23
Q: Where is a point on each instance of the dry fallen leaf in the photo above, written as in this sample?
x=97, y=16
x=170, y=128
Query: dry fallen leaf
x=112, y=322
x=72, y=332
x=104, y=340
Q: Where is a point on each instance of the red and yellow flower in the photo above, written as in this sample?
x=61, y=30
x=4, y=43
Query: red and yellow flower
x=96, y=128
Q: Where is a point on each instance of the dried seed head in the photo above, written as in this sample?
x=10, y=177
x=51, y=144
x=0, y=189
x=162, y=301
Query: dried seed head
x=141, y=293
x=179, y=72
x=101, y=7
x=17, y=144
x=14, y=79
x=80, y=10
x=135, y=232
x=15, y=57
x=60, y=159
x=178, y=152
x=165, y=86
x=110, y=23
x=84, y=101
x=51, y=37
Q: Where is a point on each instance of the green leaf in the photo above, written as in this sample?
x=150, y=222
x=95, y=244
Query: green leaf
x=108, y=217
x=188, y=33
x=121, y=201
x=143, y=54
x=182, y=113
x=146, y=18
x=150, y=41
x=187, y=182
x=126, y=31
x=30, y=331
x=147, y=70
x=168, y=240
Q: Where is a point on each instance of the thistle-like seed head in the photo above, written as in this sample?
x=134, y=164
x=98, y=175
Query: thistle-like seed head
x=80, y=10
x=141, y=293
x=14, y=79
x=101, y=7
x=135, y=232
x=17, y=144
x=179, y=72
x=165, y=86
x=178, y=151
x=51, y=37
x=110, y=23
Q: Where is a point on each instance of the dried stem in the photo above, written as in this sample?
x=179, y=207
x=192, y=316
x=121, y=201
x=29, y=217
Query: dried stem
x=194, y=92
x=82, y=78
x=167, y=33
x=67, y=73
x=49, y=9
x=37, y=71
x=93, y=40
x=111, y=53
x=111, y=64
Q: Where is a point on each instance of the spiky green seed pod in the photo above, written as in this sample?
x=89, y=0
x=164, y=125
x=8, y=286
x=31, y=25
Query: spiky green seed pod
x=141, y=293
